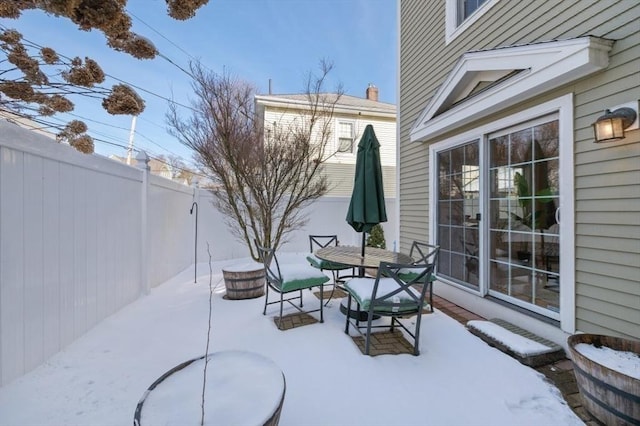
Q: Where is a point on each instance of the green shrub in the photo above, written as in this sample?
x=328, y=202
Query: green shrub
x=376, y=237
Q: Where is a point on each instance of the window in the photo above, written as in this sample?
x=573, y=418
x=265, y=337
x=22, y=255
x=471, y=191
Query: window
x=345, y=137
x=460, y=14
x=458, y=212
x=466, y=9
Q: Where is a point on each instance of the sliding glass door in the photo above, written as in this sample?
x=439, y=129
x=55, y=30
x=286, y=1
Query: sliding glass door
x=513, y=180
x=459, y=213
x=524, y=216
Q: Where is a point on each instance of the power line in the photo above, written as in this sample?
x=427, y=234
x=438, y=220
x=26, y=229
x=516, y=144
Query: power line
x=36, y=45
x=161, y=35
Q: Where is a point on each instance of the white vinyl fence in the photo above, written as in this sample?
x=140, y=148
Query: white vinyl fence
x=82, y=236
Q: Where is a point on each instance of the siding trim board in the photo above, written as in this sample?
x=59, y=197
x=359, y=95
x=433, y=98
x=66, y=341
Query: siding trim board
x=544, y=66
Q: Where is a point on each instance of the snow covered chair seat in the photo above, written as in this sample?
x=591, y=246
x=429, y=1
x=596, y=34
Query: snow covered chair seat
x=288, y=278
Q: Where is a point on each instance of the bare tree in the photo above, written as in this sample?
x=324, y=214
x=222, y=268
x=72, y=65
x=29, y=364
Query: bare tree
x=262, y=177
x=24, y=82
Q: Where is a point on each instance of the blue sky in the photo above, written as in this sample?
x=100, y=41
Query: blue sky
x=256, y=40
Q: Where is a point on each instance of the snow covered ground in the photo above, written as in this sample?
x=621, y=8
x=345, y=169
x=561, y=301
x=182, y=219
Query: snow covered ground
x=457, y=379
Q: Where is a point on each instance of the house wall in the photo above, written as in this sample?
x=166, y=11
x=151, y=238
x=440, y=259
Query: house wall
x=82, y=236
x=339, y=166
x=342, y=175
x=607, y=176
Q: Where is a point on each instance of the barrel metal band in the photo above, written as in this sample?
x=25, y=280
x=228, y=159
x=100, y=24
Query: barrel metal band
x=238, y=290
x=237, y=280
x=607, y=386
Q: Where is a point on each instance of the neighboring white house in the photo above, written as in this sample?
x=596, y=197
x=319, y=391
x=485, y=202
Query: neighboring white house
x=351, y=116
x=27, y=123
x=156, y=167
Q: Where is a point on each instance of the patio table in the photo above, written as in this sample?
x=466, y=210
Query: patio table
x=352, y=256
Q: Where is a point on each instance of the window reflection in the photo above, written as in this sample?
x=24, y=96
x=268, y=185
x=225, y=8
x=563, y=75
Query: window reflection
x=524, y=182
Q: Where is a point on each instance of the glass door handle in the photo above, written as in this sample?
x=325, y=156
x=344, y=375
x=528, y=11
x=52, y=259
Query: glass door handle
x=558, y=215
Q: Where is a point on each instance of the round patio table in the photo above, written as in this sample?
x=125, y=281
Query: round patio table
x=352, y=256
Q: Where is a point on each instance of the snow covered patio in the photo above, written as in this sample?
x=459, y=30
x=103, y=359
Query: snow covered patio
x=457, y=379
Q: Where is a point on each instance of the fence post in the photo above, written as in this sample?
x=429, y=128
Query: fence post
x=143, y=164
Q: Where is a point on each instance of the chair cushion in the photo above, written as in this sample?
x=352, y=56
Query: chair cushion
x=316, y=262
x=361, y=289
x=408, y=274
x=297, y=276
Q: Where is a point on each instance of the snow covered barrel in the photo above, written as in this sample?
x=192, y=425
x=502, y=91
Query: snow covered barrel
x=244, y=281
x=241, y=388
x=607, y=371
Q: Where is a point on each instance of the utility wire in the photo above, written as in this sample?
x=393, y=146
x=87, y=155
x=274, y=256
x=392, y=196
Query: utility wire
x=45, y=125
x=36, y=45
x=161, y=35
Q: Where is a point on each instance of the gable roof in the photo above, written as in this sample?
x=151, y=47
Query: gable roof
x=346, y=103
x=484, y=82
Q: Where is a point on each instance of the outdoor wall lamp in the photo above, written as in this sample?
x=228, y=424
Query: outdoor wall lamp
x=611, y=126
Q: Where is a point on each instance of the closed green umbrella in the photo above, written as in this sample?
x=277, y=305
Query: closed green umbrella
x=367, y=208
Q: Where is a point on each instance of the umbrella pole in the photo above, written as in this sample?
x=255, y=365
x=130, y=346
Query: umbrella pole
x=361, y=269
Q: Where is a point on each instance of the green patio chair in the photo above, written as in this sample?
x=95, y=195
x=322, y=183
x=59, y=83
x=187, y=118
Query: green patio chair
x=389, y=295
x=289, y=278
x=422, y=254
x=321, y=241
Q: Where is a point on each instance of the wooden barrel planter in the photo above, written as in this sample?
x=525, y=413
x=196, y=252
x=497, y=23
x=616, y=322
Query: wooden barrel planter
x=242, y=388
x=244, y=281
x=609, y=395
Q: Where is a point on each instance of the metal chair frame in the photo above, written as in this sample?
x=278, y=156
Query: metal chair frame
x=390, y=271
x=423, y=253
x=274, y=281
x=321, y=241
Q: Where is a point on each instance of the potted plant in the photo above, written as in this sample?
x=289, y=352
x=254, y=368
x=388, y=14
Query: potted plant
x=376, y=237
x=607, y=371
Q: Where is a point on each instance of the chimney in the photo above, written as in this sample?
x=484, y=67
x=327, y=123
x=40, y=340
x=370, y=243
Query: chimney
x=372, y=92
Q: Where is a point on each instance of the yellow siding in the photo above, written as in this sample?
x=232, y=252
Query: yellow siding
x=341, y=179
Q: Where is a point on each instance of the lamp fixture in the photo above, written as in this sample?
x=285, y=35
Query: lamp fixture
x=611, y=126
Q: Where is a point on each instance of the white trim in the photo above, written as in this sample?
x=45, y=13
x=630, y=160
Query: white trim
x=563, y=106
x=354, y=140
x=452, y=29
x=398, y=88
x=544, y=66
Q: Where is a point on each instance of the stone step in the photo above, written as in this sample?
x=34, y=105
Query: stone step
x=526, y=347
